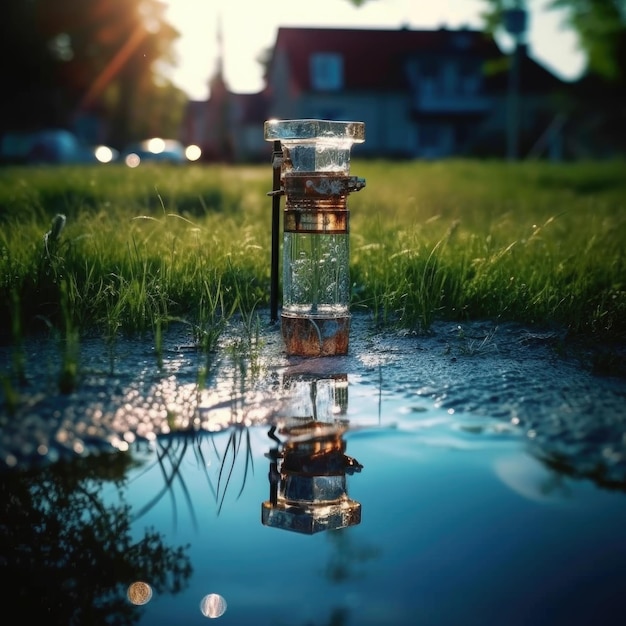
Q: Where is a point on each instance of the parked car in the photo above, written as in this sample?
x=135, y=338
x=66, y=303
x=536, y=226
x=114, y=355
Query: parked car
x=155, y=149
x=51, y=146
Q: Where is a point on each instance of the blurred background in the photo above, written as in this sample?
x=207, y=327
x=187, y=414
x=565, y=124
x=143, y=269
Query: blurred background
x=90, y=81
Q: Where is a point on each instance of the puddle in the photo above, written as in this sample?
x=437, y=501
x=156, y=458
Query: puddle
x=475, y=475
x=478, y=381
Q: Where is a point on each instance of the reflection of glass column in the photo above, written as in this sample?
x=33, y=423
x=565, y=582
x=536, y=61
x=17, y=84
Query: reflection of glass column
x=308, y=485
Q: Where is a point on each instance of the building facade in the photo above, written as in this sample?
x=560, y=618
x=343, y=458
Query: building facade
x=421, y=93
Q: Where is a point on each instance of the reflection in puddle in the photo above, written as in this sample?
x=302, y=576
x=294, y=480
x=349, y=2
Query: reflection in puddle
x=69, y=556
x=308, y=461
x=139, y=593
x=213, y=605
x=441, y=540
x=308, y=466
x=574, y=420
x=533, y=480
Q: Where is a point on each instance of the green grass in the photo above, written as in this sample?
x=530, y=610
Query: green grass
x=461, y=240
x=532, y=242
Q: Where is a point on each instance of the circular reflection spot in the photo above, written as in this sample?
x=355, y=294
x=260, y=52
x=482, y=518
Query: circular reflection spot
x=139, y=593
x=213, y=605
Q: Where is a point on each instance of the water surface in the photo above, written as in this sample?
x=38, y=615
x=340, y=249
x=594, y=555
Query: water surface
x=488, y=470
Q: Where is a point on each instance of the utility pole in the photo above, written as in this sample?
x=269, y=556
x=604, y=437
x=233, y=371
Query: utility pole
x=515, y=24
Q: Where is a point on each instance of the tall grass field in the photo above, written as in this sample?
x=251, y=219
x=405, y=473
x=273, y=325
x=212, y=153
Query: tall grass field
x=117, y=250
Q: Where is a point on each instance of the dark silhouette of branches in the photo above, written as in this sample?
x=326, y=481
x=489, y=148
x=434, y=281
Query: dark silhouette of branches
x=66, y=557
x=75, y=57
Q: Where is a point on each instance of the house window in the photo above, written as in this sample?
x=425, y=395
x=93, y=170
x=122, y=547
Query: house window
x=461, y=40
x=470, y=79
x=429, y=86
x=326, y=71
x=430, y=78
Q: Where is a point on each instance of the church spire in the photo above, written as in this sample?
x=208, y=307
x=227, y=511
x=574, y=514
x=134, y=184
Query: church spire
x=219, y=70
x=217, y=83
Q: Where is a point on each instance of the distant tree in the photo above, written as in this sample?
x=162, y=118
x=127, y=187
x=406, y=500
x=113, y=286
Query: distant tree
x=596, y=107
x=28, y=77
x=599, y=24
x=68, y=57
x=161, y=111
x=601, y=28
x=600, y=110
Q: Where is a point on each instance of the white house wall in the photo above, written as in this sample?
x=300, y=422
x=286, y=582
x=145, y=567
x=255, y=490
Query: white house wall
x=282, y=99
x=388, y=127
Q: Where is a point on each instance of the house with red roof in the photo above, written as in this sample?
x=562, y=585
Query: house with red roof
x=421, y=93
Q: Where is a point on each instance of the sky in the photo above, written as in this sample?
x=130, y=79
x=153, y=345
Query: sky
x=249, y=27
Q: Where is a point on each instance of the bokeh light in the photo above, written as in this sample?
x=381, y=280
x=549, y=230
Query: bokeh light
x=193, y=152
x=156, y=145
x=139, y=593
x=104, y=154
x=132, y=160
x=213, y=605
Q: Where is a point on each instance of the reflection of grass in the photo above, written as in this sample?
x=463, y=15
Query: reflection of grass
x=170, y=454
x=227, y=463
x=473, y=345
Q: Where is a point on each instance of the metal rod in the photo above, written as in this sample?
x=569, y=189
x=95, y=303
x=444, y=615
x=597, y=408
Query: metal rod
x=276, y=158
x=514, y=103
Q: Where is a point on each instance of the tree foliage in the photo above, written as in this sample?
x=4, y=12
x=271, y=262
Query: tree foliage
x=595, y=109
x=77, y=57
x=601, y=27
x=599, y=24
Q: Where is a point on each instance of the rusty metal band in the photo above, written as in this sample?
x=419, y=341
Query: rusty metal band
x=323, y=222
x=323, y=185
x=317, y=204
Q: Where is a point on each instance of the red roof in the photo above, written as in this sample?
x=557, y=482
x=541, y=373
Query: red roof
x=372, y=58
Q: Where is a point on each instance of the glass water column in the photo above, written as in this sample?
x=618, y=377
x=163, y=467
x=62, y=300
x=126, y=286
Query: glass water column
x=315, y=168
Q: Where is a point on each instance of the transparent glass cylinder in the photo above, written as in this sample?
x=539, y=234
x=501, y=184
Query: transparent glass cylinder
x=316, y=247
x=315, y=145
x=316, y=278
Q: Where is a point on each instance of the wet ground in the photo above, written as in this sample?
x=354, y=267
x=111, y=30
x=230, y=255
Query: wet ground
x=505, y=377
x=482, y=471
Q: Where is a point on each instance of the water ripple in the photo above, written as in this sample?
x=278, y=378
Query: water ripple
x=434, y=387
